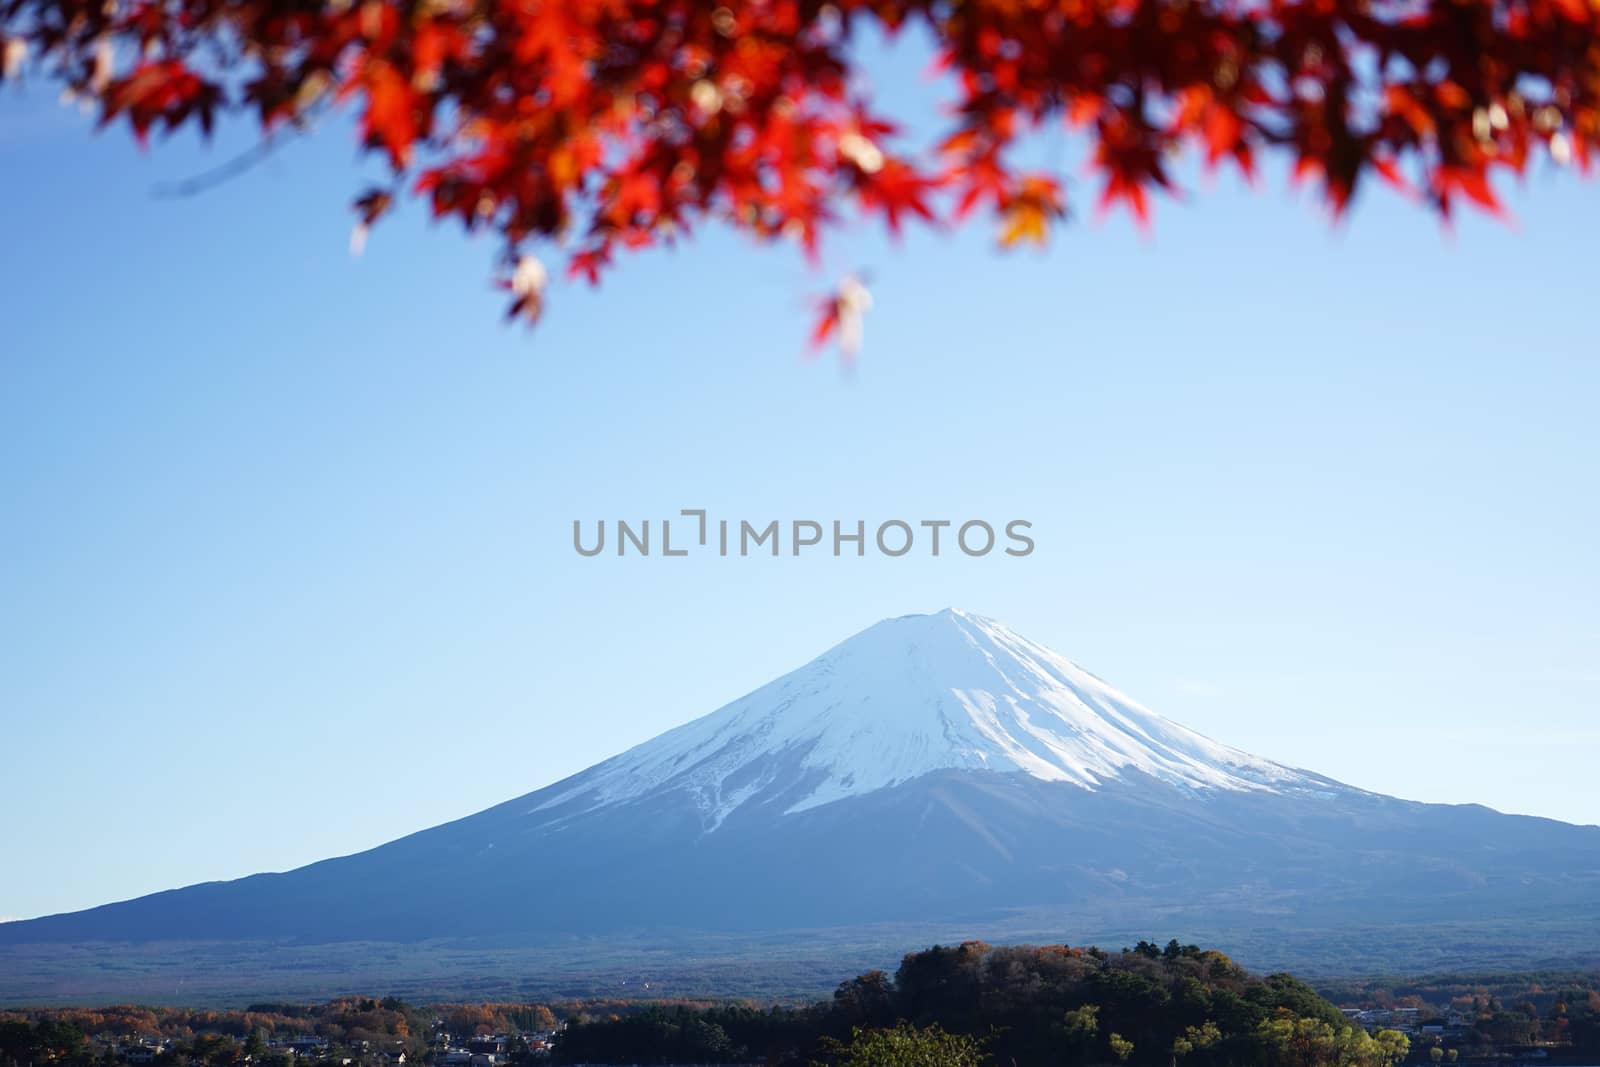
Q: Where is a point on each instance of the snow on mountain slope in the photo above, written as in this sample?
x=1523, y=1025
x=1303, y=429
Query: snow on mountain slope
x=906, y=697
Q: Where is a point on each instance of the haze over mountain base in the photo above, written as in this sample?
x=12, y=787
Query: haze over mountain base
x=785, y=965
x=934, y=777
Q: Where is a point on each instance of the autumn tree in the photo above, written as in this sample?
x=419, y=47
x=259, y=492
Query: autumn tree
x=583, y=129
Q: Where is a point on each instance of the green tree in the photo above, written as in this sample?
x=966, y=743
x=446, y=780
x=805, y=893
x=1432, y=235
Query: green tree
x=907, y=1046
x=1083, y=1022
x=1121, y=1048
x=1393, y=1046
x=1193, y=1037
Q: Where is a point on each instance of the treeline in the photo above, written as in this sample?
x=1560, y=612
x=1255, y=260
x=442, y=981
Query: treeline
x=341, y=1019
x=72, y=1037
x=44, y=1041
x=1178, y=1006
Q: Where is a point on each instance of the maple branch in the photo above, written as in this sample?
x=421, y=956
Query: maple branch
x=631, y=121
x=240, y=164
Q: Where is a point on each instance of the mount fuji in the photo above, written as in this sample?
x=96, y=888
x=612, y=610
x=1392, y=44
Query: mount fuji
x=933, y=771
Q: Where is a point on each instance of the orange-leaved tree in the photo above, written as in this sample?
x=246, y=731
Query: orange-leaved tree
x=599, y=126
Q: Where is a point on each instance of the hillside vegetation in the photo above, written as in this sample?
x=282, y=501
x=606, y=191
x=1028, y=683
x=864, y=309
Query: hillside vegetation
x=1025, y=1005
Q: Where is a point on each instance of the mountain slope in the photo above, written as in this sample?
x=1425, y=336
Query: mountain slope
x=932, y=770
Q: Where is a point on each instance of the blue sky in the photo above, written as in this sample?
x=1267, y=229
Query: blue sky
x=285, y=566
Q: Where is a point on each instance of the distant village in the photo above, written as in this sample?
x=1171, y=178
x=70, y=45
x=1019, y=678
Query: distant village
x=1448, y=1037
x=442, y=1049
x=1408, y=1021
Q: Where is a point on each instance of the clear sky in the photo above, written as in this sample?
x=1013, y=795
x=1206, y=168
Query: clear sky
x=285, y=563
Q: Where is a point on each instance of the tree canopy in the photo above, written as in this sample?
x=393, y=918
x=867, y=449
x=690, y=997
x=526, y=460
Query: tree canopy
x=594, y=127
x=906, y=1046
x=1027, y=1005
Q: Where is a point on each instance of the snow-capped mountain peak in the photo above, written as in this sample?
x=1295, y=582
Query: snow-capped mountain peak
x=934, y=775
x=904, y=698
